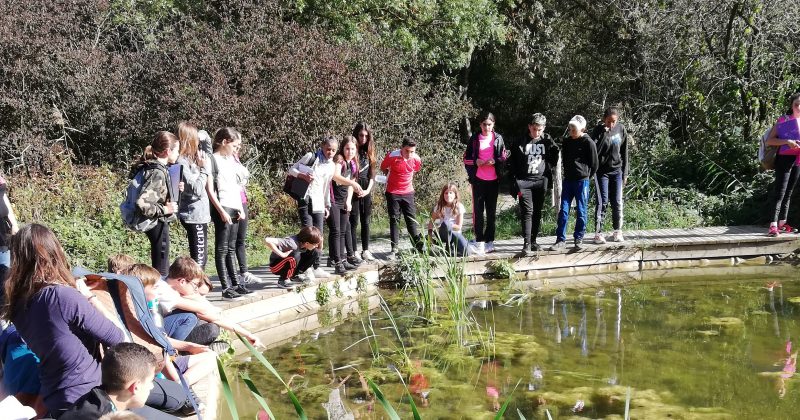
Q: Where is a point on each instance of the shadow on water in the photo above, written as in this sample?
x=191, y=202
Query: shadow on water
x=706, y=347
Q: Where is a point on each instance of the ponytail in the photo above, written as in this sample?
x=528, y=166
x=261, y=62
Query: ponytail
x=162, y=141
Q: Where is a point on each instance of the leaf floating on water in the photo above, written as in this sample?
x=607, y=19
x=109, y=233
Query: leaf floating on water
x=795, y=300
x=708, y=332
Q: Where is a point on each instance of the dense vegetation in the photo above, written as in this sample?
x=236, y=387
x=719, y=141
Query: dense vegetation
x=88, y=82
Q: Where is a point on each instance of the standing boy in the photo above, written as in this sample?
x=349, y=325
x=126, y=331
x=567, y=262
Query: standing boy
x=400, y=166
x=580, y=163
x=611, y=139
x=533, y=158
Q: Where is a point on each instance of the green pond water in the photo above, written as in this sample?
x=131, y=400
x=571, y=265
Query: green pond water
x=686, y=347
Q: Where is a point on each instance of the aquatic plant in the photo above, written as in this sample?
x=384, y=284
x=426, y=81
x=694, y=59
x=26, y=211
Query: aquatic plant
x=503, y=269
x=323, y=295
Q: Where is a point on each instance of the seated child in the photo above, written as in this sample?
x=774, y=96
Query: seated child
x=294, y=254
x=20, y=369
x=127, y=370
x=448, y=215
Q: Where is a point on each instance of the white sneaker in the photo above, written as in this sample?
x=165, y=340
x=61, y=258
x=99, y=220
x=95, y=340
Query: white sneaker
x=617, y=236
x=480, y=248
x=319, y=272
x=367, y=256
x=489, y=247
x=391, y=256
x=250, y=278
x=310, y=277
x=599, y=239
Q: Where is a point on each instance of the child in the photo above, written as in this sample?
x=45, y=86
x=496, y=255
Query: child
x=611, y=140
x=580, y=164
x=786, y=171
x=228, y=211
x=400, y=166
x=344, y=176
x=532, y=161
x=483, y=160
x=294, y=254
x=243, y=175
x=448, y=214
x=194, y=208
x=119, y=263
x=128, y=370
x=362, y=204
x=154, y=201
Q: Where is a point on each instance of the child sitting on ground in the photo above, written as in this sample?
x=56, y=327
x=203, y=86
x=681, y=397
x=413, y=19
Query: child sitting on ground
x=294, y=254
x=448, y=215
x=128, y=370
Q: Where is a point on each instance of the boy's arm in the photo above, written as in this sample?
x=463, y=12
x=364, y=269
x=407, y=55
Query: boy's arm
x=593, y=159
x=272, y=243
x=232, y=327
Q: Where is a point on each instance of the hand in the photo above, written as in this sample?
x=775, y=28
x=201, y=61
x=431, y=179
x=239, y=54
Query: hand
x=171, y=207
x=254, y=340
x=201, y=158
x=348, y=206
x=792, y=144
x=226, y=217
x=490, y=162
x=180, y=186
x=242, y=216
x=327, y=212
x=305, y=176
x=480, y=162
x=193, y=348
x=80, y=284
x=358, y=190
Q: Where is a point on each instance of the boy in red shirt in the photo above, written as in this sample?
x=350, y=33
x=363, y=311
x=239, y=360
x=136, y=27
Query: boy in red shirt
x=400, y=166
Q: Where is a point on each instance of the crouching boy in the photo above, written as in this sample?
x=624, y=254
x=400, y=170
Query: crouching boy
x=294, y=254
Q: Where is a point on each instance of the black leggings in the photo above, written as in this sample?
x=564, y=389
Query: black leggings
x=241, y=235
x=337, y=231
x=786, y=174
x=530, y=207
x=197, y=233
x=484, y=200
x=362, y=210
x=225, y=248
x=159, y=247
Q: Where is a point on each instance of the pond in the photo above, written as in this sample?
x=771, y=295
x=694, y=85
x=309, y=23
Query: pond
x=705, y=347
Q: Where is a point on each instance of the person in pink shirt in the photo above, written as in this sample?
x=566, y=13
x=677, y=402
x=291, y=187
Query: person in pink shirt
x=787, y=170
x=400, y=166
x=485, y=156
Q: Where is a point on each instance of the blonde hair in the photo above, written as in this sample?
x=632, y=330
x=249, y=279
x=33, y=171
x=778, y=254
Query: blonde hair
x=148, y=275
x=189, y=141
x=120, y=263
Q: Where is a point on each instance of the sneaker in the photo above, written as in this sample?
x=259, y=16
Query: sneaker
x=367, y=256
x=786, y=229
x=599, y=239
x=489, y=247
x=525, y=252
x=617, y=236
x=773, y=231
x=299, y=279
x=536, y=247
x=354, y=260
x=310, y=277
x=240, y=289
x=559, y=245
x=579, y=243
x=347, y=266
x=339, y=270
x=480, y=248
x=391, y=256
x=230, y=293
x=320, y=273
x=330, y=262
x=283, y=285
x=250, y=278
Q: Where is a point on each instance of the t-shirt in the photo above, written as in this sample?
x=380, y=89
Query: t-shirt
x=167, y=297
x=449, y=217
x=486, y=152
x=319, y=190
x=229, y=191
x=401, y=172
x=288, y=244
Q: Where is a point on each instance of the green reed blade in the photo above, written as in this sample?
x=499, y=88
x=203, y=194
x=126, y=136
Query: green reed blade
x=505, y=404
x=256, y=393
x=226, y=390
x=382, y=399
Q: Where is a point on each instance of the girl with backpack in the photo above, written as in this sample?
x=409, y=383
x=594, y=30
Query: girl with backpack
x=154, y=201
x=362, y=204
x=786, y=170
x=344, y=175
x=193, y=210
x=225, y=196
x=485, y=155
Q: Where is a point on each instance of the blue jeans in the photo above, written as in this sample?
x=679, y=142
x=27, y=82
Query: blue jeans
x=578, y=190
x=179, y=324
x=608, y=187
x=453, y=242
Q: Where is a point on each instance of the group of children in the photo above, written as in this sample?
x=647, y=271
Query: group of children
x=339, y=179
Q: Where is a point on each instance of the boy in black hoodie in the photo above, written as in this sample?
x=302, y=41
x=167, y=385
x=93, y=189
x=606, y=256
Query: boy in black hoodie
x=611, y=140
x=533, y=158
x=579, y=157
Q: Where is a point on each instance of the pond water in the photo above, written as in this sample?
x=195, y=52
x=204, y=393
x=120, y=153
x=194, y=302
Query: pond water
x=686, y=347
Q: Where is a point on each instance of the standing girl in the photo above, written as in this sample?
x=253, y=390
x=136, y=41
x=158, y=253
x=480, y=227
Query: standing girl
x=448, y=214
x=483, y=160
x=362, y=204
x=154, y=201
x=225, y=195
x=193, y=210
x=611, y=139
x=786, y=169
x=345, y=175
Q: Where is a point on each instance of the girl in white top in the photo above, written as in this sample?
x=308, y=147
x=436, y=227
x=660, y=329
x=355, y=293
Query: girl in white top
x=225, y=196
x=448, y=216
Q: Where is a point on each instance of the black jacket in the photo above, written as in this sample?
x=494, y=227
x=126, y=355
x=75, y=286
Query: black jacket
x=471, y=155
x=533, y=159
x=612, y=149
x=579, y=158
x=91, y=406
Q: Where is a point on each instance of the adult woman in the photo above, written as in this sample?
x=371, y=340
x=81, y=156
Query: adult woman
x=154, y=201
x=193, y=208
x=59, y=322
x=225, y=196
x=786, y=169
x=362, y=204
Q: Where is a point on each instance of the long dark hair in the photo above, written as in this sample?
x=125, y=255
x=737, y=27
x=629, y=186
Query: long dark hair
x=339, y=157
x=795, y=96
x=163, y=140
x=368, y=149
x=228, y=133
x=37, y=261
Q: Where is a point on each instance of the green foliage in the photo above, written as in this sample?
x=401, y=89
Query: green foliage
x=323, y=295
x=503, y=269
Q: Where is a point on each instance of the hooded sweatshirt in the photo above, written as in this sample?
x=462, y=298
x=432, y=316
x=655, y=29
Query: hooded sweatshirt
x=612, y=149
x=579, y=157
